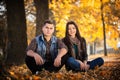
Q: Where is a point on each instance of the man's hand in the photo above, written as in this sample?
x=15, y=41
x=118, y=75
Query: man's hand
x=57, y=61
x=38, y=59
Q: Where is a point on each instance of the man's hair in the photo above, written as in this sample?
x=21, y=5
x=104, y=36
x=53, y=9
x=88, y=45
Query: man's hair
x=47, y=21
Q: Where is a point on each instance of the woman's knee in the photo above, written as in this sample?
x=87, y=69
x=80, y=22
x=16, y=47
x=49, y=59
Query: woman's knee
x=101, y=61
x=70, y=60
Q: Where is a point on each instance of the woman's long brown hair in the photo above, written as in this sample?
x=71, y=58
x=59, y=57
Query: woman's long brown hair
x=67, y=39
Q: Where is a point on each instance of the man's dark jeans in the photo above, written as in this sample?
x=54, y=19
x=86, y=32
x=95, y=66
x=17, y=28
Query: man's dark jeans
x=31, y=64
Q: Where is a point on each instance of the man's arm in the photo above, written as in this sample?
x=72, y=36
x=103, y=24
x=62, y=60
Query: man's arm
x=62, y=51
x=31, y=48
x=62, y=48
x=31, y=52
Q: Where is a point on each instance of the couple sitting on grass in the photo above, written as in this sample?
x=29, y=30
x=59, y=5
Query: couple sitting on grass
x=50, y=53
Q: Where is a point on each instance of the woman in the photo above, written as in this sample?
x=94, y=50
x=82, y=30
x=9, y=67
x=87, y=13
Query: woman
x=77, y=51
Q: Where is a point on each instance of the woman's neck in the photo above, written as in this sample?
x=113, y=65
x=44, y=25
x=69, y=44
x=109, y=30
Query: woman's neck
x=72, y=36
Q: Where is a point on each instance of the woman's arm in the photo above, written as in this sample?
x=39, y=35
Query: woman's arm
x=84, y=48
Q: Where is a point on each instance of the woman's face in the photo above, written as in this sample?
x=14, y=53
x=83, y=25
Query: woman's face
x=71, y=30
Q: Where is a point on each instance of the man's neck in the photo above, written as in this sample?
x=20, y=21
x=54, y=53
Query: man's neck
x=47, y=38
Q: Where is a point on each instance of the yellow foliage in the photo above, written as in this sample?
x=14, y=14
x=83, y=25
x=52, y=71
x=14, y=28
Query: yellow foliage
x=60, y=29
x=112, y=42
x=112, y=36
x=87, y=15
x=97, y=4
x=104, y=1
x=30, y=31
x=117, y=4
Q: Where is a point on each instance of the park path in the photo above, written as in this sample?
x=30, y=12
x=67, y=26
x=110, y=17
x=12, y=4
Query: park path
x=111, y=57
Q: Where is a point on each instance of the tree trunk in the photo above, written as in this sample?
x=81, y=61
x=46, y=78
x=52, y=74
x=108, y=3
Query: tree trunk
x=42, y=11
x=17, y=37
x=104, y=31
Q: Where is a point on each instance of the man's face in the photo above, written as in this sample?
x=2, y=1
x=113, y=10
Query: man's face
x=48, y=29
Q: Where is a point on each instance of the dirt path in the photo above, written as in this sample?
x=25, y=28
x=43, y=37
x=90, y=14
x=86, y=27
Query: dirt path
x=109, y=58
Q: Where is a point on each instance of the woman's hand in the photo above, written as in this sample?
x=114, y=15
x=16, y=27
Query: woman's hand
x=38, y=59
x=82, y=65
x=86, y=65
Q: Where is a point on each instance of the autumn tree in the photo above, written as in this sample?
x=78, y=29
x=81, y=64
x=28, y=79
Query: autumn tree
x=104, y=33
x=3, y=37
x=16, y=26
x=36, y=13
x=42, y=10
x=3, y=31
x=87, y=14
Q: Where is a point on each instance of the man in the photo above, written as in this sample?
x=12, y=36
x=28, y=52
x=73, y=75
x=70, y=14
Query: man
x=46, y=51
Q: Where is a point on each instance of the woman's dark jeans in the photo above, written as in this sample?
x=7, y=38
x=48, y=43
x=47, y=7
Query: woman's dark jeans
x=74, y=65
x=31, y=64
